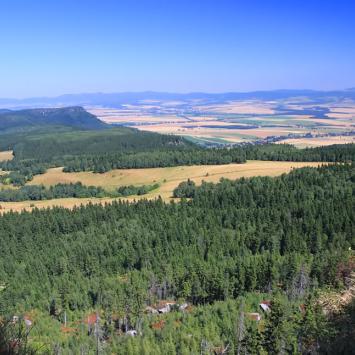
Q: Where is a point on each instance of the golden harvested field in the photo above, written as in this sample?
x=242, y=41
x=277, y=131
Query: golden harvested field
x=230, y=135
x=267, y=132
x=140, y=119
x=341, y=115
x=7, y=155
x=168, y=178
x=61, y=202
x=120, y=177
x=319, y=141
x=331, y=122
x=245, y=107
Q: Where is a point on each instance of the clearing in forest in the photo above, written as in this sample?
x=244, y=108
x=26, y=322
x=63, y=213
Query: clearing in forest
x=168, y=178
x=7, y=155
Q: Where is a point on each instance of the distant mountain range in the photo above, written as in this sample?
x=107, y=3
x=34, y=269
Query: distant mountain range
x=75, y=117
x=117, y=99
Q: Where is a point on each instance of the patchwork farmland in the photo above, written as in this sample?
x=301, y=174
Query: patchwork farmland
x=239, y=121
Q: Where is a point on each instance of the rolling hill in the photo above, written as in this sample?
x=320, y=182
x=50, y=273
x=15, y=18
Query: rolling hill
x=75, y=117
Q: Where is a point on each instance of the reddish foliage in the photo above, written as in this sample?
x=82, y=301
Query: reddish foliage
x=344, y=269
x=158, y=325
x=68, y=330
x=91, y=319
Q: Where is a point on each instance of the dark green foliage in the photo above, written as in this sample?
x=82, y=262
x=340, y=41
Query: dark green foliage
x=341, y=339
x=274, y=333
x=39, y=192
x=287, y=152
x=21, y=171
x=76, y=190
x=75, y=117
x=135, y=190
x=51, y=147
x=154, y=159
x=236, y=236
x=185, y=189
x=99, y=151
x=252, y=341
x=14, y=338
x=199, y=156
x=314, y=327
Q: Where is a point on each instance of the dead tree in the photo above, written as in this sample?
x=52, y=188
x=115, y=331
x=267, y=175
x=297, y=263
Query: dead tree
x=240, y=328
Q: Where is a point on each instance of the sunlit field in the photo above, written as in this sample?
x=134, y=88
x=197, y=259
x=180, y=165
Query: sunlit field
x=167, y=178
x=7, y=155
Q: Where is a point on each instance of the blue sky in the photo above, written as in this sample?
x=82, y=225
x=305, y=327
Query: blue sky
x=53, y=47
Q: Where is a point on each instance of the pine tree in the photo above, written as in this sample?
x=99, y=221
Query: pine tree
x=274, y=329
x=252, y=341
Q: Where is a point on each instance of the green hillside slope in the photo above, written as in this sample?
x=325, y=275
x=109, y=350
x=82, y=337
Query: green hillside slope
x=75, y=117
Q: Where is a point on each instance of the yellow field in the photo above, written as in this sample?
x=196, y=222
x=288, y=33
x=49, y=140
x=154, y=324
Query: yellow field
x=168, y=178
x=244, y=107
x=318, y=141
x=6, y=155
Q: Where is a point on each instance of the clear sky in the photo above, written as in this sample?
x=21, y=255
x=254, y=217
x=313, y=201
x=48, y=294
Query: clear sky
x=52, y=47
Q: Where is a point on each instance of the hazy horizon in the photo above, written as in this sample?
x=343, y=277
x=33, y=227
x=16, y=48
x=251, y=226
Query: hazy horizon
x=172, y=93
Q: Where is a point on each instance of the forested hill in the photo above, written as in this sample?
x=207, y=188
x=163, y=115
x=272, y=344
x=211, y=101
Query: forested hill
x=75, y=117
x=234, y=236
x=40, y=147
x=289, y=236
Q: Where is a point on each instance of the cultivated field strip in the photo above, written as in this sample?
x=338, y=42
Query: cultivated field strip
x=168, y=178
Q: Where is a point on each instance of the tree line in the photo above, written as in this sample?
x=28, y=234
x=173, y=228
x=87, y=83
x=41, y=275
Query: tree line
x=136, y=190
x=174, y=154
x=75, y=190
x=40, y=192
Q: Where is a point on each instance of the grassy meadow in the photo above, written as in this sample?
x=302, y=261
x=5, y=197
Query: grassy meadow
x=6, y=155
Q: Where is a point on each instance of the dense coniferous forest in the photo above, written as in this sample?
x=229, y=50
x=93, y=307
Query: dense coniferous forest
x=34, y=151
x=211, y=156
x=287, y=152
x=222, y=252
x=185, y=189
x=75, y=117
x=124, y=148
x=154, y=159
x=48, y=148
